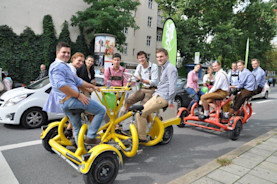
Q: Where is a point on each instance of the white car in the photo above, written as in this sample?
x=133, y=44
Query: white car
x=265, y=92
x=24, y=105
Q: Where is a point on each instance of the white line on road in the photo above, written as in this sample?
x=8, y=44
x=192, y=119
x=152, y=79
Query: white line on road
x=19, y=145
x=265, y=101
x=6, y=174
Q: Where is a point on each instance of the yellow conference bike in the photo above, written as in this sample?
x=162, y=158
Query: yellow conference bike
x=100, y=163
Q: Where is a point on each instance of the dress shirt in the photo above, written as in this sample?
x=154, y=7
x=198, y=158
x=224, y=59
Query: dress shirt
x=72, y=68
x=144, y=73
x=192, y=81
x=260, y=76
x=220, y=82
x=60, y=75
x=247, y=80
x=114, y=72
x=233, y=77
x=167, y=85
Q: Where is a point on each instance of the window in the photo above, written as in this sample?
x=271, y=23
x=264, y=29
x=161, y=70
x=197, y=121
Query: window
x=148, y=40
x=125, y=30
x=149, y=21
x=159, y=35
x=125, y=48
x=150, y=4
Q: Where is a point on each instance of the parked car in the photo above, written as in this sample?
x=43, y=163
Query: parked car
x=182, y=98
x=24, y=105
x=265, y=92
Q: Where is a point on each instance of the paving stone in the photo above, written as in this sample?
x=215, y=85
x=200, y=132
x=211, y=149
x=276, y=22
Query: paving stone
x=264, y=174
x=269, y=166
x=272, y=159
x=253, y=157
x=245, y=162
x=223, y=176
x=235, y=169
x=261, y=152
x=269, y=147
x=250, y=179
x=206, y=180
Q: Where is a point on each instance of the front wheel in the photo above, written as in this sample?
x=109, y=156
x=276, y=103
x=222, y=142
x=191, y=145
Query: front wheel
x=51, y=134
x=103, y=170
x=168, y=134
x=33, y=118
x=234, y=134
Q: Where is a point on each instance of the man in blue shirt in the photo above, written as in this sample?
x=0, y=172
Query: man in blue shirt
x=164, y=94
x=259, y=74
x=66, y=85
x=246, y=83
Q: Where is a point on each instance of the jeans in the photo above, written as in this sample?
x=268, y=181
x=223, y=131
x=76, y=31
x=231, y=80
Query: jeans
x=93, y=107
x=192, y=92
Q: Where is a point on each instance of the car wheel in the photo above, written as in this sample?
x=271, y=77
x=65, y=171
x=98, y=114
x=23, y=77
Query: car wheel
x=179, y=102
x=33, y=118
x=266, y=95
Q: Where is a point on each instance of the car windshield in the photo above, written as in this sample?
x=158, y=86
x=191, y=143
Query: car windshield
x=39, y=84
x=180, y=83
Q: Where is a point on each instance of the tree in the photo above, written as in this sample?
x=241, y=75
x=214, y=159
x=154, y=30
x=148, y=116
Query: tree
x=65, y=34
x=107, y=16
x=80, y=45
x=49, y=40
x=219, y=31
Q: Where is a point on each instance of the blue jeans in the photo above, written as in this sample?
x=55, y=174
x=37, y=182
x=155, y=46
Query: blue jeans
x=93, y=107
x=192, y=92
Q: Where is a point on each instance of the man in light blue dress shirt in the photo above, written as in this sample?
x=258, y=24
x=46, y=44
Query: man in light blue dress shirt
x=247, y=84
x=259, y=75
x=164, y=94
x=65, y=85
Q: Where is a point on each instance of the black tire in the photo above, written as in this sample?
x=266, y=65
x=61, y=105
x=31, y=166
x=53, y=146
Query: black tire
x=33, y=118
x=104, y=169
x=179, y=101
x=234, y=134
x=266, y=95
x=168, y=134
x=183, y=114
x=51, y=134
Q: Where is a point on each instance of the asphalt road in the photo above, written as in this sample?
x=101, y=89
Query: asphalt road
x=189, y=149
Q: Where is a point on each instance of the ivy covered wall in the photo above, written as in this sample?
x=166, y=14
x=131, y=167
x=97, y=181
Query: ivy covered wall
x=21, y=55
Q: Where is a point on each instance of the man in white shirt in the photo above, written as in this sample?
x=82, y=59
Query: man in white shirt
x=147, y=73
x=233, y=75
x=219, y=90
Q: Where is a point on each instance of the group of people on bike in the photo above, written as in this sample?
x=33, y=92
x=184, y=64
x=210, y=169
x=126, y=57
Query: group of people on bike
x=240, y=78
x=69, y=90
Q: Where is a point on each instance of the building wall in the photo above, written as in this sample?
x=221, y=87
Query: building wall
x=19, y=14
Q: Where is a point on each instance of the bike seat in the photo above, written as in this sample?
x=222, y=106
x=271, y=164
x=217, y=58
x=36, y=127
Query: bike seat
x=76, y=111
x=136, y=108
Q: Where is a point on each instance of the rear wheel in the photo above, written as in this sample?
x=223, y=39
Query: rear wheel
x=183, y=114
x=168, y=134
x=234, y=134
x=104, y=169
x=51, y=134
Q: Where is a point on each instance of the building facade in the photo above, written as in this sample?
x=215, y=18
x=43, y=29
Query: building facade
x=19, y=14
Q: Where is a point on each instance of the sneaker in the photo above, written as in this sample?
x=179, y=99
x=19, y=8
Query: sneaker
x=226, y=116
x=202, y=117
x=126, y=132
x=143, y=141
x=92, y=141
x=68, y=133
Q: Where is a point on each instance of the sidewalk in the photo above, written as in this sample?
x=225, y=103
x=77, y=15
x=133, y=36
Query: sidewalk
x=254, y=162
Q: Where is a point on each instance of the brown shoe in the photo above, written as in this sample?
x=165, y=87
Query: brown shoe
x=92, y=141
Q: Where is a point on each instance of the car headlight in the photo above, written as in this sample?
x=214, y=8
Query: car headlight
x=15, y=100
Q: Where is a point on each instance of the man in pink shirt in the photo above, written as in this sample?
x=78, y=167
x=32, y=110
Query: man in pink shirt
x=192, y=82
x=115, y=73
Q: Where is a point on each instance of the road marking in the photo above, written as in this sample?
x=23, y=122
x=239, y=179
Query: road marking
x=19, y=145
x=6, y=174
x=265, y=101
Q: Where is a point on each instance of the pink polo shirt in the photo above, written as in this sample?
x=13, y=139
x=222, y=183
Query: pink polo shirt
x=114, y=72
x=192, y=80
